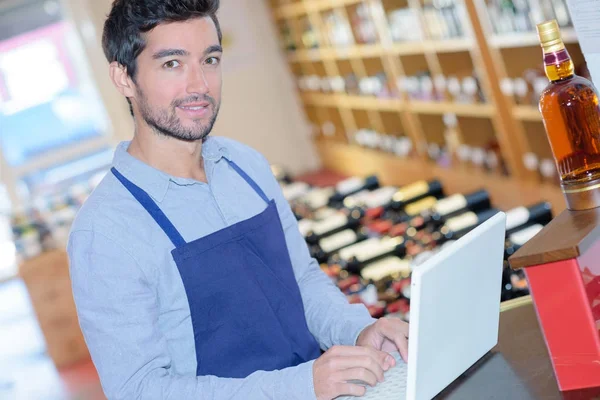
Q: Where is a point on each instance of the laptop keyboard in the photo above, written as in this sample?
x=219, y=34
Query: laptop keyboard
x=393, y=388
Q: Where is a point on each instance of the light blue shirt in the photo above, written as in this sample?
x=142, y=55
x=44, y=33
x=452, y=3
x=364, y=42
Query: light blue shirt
x=130, y=298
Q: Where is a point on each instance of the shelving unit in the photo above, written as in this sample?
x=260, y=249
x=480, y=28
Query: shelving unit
x=527, y=39
x=527, y=113
x=516, y=127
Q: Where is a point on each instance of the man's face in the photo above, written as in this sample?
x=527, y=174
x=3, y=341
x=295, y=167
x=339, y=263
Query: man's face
x=178, y=79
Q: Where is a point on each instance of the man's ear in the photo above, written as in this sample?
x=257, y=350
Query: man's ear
x=121, y=80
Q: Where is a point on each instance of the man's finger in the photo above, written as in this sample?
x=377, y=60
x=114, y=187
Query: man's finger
x=354, y=351
x=364, y=361
x=397, y=332
x=357, y=374
x=349, y=389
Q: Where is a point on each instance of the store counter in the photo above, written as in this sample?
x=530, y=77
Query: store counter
x=518, y=368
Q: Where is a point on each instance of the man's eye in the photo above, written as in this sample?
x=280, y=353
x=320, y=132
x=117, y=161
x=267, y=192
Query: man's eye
x=171, y=64
x=213, y=60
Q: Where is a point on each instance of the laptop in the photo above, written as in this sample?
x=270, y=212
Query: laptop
x=455, y=312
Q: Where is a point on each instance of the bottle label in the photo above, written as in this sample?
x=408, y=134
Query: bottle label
x=450, y=204
x=338, y=241
x=386, y=267
x=357, y=199
x=411, y=191
x=461, y=222
x=318, y=198
x=523, y=236
x=352, y=251
x=334, y=222
x=350, y=185
x=295, y=190
x=420, y=206
x=380, y=197
x=370, y=248
x=305, y=226
x=516, y=217
x=325, y=213
x=556, y=57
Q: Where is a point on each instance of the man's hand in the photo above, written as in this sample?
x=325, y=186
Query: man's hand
x=340, y=364
x=387, y=334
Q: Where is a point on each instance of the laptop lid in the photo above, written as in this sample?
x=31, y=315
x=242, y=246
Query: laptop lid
x=455, y=309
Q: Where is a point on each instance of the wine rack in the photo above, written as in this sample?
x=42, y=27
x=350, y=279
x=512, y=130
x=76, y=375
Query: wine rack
x=464, y=93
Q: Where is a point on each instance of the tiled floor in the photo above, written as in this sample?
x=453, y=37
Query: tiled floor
x=26, y=372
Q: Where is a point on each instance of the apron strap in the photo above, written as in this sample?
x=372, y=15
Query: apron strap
x=249, y=180
x=159, y=216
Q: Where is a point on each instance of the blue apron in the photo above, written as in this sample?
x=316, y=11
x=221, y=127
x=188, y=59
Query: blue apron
x=245, y=304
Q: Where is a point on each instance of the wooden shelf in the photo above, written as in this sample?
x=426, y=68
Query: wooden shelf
x=379, y=104
x=373, y=103
x=491, y=58
x=338, y=53
x=407, y=48
x=506, y=193
x=356, y=102
x=359, y=51
x=300, y=8
x=528, y=39
x=290, y=10
x=304, y=55
x=377, y=50
x=527, y=113
x=439, y=108
x=450, y=45
x=321, y=99
x=438, y=46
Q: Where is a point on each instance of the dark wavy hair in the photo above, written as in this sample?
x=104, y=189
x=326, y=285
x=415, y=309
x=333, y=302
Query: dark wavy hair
x=123, y=40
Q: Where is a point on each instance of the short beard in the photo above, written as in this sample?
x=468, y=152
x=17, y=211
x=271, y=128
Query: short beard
x=168, y=124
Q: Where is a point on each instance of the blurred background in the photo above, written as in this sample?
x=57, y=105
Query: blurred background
x=402, y=90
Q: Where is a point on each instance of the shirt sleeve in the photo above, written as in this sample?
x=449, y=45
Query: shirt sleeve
x=118, y=314
x=331, y=319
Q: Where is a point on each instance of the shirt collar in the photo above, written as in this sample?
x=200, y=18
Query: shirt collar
x=155, y=182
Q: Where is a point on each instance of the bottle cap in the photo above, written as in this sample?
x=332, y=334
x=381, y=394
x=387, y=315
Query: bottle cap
x=549, y=34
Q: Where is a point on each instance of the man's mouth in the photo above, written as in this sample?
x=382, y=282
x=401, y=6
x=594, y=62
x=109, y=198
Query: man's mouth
x=196, y=110
x=195, y=106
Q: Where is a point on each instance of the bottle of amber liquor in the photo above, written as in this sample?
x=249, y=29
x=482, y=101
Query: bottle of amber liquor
x=571, y=114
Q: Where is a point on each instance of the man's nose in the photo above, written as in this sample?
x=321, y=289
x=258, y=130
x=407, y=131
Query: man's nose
x=197, y=82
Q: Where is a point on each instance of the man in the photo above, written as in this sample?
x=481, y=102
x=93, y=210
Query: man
x=190, y=276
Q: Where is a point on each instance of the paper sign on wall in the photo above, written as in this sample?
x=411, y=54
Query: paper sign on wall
x=585, y=15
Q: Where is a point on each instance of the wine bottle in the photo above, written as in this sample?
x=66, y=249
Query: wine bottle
x=317, y=198
x=380, y=197
x=389, y=267
x=521, y=217
x=305, y=225
x=391, y=207
x=350, y=186
x=327, y=246
x=281, y=174
x=416, y=191
x=517, y=239
x=342, y=220
x=514, y=283
x=354, y=258
x=456, y=227
x=390, y=218
x=449, y=206
x=571, y=113
x=442, y=210
x=295, y=190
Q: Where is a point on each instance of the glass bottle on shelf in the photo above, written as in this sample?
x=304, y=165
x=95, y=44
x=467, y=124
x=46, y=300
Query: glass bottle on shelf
x=309, y=36
x=571, y=115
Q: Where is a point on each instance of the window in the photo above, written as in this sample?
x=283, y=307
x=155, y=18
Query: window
x=50, y=111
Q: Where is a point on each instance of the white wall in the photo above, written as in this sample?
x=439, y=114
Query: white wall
x=260, y=106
